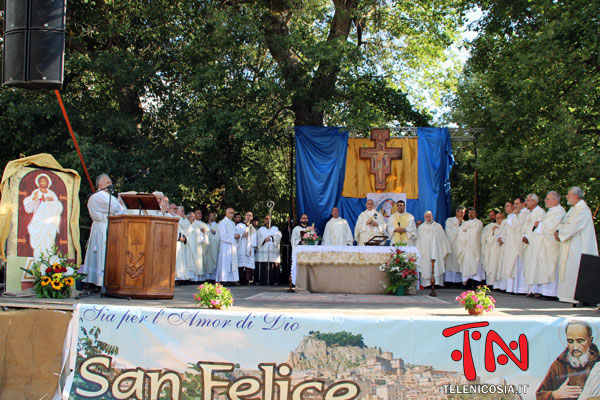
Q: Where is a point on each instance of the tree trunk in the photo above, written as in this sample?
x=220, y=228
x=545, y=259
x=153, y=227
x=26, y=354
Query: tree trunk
x=308, y=91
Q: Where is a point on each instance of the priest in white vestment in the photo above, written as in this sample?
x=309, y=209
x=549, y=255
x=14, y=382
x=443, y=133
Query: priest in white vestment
x=534, y=215
x=159, y=196
x=298, y=230
x=268, y=254
x=492, y=264
x=337, y=231
x=577, y=236
x=541, y=261
x=245, y=249
x=227, y=268
x=46, y=208
x=201, y=231
x=452, y=226
x=192, y=236
x=211, y=253
x=185, y=266
x=487, y=241
x=98, y=205
x=401, y=226
x=510, y=240
x=370, y=223
x=469, y=248
x=433, y=245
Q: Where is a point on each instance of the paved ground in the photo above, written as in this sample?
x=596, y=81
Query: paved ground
x=277, y=298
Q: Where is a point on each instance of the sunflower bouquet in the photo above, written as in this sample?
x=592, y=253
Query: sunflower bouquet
x=54, y=275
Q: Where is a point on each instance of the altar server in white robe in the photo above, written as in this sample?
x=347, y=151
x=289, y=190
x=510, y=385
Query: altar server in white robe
x=370, y=223
x=192, y=245
x=452, y=226
x=201, y=230
x=337, y=231
x=96, y=246
x=433, y=245
x=227, y=267
x=211, y=253
x=268, y=255
x=577, y=236
x=245, y=250
x=297, y=231
x=534, y=214
x=541, y=261
x=185, y=267
x=493, y=253
x=469, y=248
x=510, y=240
x=487, y=241
x=401, y=227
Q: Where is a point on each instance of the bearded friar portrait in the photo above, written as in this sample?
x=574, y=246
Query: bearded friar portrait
x=568, y=374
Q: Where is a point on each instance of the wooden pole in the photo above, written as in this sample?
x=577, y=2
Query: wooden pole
x=62, y=107
x=433, y=293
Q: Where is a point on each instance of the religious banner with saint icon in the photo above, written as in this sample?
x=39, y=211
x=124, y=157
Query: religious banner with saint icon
x=350, y=168
x=381, y=164
x=40, y=211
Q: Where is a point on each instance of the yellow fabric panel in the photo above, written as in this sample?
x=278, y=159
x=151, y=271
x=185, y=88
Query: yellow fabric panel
x=40, y=160
x=404, y=177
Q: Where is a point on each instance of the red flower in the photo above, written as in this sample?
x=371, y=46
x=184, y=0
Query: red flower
x=48, y=270
x=63, y=269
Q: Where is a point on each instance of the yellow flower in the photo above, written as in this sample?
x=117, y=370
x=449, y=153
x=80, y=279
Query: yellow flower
x=45, y=280
x=69, y=281
x=56, y=277
x=57, y=285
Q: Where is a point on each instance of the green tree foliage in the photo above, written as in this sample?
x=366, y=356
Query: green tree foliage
x=532, y=83
x=203, y=93
x=341, y=338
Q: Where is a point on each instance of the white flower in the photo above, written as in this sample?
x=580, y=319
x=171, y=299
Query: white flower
x=70, y=271
x=54, y=260
x=43, y=271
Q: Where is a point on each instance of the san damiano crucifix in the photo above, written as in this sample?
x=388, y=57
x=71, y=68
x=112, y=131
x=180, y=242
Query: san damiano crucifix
x=381, y=156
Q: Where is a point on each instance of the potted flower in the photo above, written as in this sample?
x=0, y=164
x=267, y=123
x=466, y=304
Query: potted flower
x=477, y=301
x=213, y=296
x=310, y=236
x=54, y=276
x=401, y=271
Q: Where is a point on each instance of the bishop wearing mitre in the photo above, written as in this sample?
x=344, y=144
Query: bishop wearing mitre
x=370, y=223
x=337, y=231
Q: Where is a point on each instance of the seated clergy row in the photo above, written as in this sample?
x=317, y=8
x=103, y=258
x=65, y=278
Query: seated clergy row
x=227, y=251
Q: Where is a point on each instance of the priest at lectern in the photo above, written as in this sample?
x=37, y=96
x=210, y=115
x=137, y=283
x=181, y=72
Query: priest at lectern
x=98, y=205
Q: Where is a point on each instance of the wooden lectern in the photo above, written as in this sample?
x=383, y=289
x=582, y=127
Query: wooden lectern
x=140, y=256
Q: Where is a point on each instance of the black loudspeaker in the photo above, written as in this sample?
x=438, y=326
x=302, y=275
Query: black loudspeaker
x=588, y=280
x=34, y=44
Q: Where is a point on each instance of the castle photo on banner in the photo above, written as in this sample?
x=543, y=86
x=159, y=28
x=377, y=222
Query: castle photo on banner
x=330, y=172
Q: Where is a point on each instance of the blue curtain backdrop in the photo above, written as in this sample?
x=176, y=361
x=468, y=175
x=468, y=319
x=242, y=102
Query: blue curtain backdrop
x=321, y=166
x=320, y=171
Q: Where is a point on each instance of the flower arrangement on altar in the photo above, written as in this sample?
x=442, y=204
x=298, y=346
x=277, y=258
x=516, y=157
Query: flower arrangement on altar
x=310, y=236
x=401, y=270
x=213, y=296
x=54, y=275
x=477, y=301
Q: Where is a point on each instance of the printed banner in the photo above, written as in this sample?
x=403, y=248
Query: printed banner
x=359, y=179
x=169, y=353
